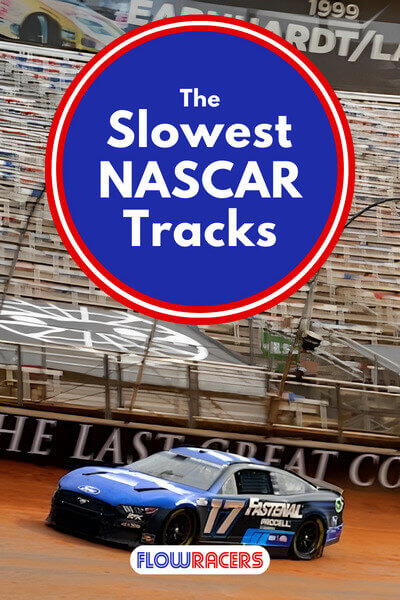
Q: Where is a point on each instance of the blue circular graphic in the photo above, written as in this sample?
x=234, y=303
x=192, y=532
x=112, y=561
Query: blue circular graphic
x=200, y=168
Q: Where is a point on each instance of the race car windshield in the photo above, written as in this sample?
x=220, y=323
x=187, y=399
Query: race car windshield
x=179, y=469
x=99, y=27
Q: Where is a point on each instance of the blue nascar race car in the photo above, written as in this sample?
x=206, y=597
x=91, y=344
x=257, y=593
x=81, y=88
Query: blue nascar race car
x=195, y=495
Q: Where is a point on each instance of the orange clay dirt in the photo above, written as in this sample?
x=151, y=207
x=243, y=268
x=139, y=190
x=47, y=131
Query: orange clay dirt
x=38, y=562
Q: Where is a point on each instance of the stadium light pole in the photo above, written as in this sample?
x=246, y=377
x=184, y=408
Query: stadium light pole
x=142, y=365
x=309, y=303
x=18, y=247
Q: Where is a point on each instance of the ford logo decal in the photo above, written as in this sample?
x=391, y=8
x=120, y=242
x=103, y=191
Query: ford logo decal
x=89, y=489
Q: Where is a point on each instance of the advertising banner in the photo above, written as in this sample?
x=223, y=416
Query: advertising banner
x=356, y=45
x=71, y=443
x=78, y=328
x=276, y=347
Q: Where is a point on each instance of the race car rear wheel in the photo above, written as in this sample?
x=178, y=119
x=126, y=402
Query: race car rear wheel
x=179, y=528
x=308, y=542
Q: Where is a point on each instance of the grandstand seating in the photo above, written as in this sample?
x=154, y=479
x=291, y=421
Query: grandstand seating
x=366, y=260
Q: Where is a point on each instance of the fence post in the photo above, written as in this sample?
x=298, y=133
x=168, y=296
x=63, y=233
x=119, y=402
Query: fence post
x=339, y=413
x=20, y=383
x=142, y=365
x=267, y=404
x=193, y=385
x=107, y=407
x=119, y=384
x=43, y=361
x=251, y=334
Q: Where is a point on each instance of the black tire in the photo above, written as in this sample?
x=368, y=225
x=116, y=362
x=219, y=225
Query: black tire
x=179, y=528
x=39, y=28
x=308, y=541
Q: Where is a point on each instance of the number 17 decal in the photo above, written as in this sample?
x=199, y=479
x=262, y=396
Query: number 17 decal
x=233, y=506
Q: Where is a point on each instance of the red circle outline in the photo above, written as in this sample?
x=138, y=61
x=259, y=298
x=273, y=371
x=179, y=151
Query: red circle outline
x=201, y=311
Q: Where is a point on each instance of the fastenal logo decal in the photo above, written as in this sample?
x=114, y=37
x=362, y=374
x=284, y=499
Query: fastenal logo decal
x=200, y=560
x=273, y=509
x=160, y=191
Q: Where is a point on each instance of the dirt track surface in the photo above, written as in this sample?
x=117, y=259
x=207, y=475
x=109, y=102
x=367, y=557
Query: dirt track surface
x=37, y=562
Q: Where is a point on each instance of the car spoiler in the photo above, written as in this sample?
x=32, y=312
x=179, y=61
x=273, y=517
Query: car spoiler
x=323, y=485
x=319, y=484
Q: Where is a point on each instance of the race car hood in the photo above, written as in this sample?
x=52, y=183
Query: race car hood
x=121, y=486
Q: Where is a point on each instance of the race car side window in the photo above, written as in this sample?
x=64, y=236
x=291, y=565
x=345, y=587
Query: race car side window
x=229, y=488
x=289, y=485
x=253, y=481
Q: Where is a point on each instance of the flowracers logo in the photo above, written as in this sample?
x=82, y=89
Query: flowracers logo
x=200, y=560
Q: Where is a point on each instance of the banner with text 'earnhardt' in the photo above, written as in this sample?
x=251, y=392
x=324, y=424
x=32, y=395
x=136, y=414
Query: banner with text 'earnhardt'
x=356, y=45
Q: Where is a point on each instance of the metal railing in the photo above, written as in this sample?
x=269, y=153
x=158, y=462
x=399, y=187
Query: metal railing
x=187, y=393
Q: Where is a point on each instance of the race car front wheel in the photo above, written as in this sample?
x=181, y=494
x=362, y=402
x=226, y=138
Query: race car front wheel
x=308, y=542
x=40, y=29
x=179, y=528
